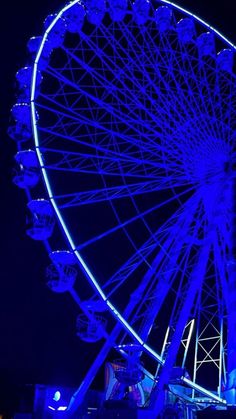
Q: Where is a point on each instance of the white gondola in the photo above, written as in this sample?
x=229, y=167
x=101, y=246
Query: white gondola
x=57, y=33
x=117, y=9
x=27, y=171
x=33, y=44
x=95, y=10
x=206, y=44
x=90, y=329
x=141, y=10
x=186, y=30
x=163, y=18
x=225, y=60
x=61, y=274
x=21, y=113
x=33, y=47
x=20, y=129
x=74, y=18
x=41, y=220
x=24, y=77
x=19, y=132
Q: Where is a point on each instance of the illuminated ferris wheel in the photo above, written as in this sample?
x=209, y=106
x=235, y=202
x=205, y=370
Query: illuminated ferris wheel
x=126, y=115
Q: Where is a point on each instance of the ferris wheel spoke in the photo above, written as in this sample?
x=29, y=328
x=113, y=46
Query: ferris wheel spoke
x=135, y=59
x=116, y=167
x=161, y=240
x=119, y=278
x=201, y=102
x=103, y=157
x=190, y=99
x=174, y=99
x=105, y=133
x=163, y=122
x=155, y=241
x=132, y=103
x=212, y=96
x=111, y=109
x=139, y=87
x=168, y=266
x=192, y=290
x=132, y=219
x=157, y=290
x=171, y=149
x=108, y=194
x=156, y=60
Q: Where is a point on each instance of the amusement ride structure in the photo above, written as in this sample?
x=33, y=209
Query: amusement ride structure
x=125, y=125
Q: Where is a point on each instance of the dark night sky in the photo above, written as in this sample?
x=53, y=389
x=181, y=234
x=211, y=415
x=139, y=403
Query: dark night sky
x=37, y=339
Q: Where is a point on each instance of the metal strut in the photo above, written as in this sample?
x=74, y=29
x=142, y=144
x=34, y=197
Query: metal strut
x=194, y=285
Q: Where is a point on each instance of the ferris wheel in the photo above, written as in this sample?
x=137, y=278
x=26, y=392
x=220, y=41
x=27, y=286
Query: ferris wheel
x=126, y=115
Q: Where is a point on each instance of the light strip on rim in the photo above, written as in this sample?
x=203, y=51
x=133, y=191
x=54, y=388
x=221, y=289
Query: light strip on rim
x=199, y=20
x=88, y=272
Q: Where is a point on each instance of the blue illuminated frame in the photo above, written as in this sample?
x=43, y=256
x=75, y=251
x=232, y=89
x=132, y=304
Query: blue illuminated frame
x=89, y=274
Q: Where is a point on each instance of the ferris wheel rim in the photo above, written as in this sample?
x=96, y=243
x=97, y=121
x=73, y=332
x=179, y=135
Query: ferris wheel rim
x=73, y=247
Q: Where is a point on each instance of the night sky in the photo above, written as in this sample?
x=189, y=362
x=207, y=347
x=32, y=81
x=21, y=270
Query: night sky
x=37, y=332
